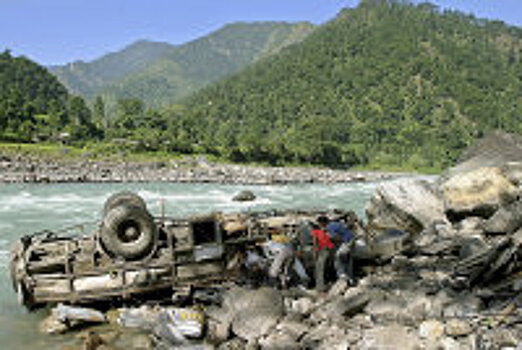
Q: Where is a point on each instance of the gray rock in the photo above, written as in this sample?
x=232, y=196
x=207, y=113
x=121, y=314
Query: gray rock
x=303, y=306
x=445, y=230
x=361, y=321
x=293, y=328
x=419, y=307
x=470, y=226
x=253, y=312
x=134, y=340
x=244, y=196
x=425, y=240
x=431, y=330
x=517, y=237
x=501, y=339
x=188, y=347
x=386, y=311
x=477, y=193
x=233, y=344
x=218, y=332
x=389, y=337
x=405, y=204
x=252, y=344
x=51, y=325
x=325, y=336
x=432, y=281
x=278, y=341
x=338, y=288
x=339, y=307
x=505, y=220
x=353, y=336
x=334, y=344
x=447, y=343
x=458, y=328
x=471, y=246
x=464, y=305
x=92, y=341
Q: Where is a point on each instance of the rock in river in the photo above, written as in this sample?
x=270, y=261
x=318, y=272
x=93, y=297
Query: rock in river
x=244, y=196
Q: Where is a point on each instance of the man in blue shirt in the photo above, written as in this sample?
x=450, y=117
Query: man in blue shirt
x=343, y=239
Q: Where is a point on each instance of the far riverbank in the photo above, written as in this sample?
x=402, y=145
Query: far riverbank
x=21, y=168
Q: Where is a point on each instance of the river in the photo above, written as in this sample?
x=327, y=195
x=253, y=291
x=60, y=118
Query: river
x=25, y=208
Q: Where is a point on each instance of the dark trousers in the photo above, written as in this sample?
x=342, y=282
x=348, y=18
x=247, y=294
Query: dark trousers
x=320, y=268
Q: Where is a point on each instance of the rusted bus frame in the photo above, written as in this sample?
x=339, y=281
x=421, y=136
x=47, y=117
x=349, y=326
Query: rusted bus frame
x=125, y=291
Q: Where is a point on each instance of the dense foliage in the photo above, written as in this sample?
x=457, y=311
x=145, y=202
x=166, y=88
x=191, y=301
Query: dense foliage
x=35, y=106
x=160, y=73
x=387, y=84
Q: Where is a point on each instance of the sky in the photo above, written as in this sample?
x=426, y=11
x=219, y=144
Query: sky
x=61, y=31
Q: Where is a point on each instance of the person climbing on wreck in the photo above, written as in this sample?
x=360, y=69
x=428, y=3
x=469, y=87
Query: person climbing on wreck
x=281, y=252
x=323, y=249
x=342, y=239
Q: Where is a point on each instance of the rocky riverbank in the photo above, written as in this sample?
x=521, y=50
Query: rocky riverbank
x=23, y=169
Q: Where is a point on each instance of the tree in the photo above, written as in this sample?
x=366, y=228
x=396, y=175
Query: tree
x=28, y=90
x=129, y=113
x=99, y=117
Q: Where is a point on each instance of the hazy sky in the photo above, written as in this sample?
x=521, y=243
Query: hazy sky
x=60, y=31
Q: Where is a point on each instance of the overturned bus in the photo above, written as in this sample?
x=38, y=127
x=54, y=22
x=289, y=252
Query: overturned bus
x=130, y=253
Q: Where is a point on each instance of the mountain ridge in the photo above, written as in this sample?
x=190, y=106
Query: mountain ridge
x=144, y=68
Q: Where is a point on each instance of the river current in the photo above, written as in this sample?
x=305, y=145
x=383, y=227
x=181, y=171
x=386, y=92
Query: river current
x=26, y=208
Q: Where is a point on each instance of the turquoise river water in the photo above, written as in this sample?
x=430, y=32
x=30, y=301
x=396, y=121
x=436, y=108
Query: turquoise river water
x=26, y=208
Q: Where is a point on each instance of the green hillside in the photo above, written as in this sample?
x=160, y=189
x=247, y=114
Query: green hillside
x=35, y=106
x=161, y=74
x=88, y=79
x=385, y=84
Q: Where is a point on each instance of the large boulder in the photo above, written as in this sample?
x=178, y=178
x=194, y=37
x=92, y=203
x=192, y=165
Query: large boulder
x=480, y=192
x=336, y=309
x=406, y=204
x=505, y=220
x=253, y=313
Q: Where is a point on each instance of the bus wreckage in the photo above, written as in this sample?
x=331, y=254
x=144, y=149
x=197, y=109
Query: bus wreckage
x=130, y=253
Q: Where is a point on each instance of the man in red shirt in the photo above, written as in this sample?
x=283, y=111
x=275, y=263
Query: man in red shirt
x=323, y=247
x=322, y=239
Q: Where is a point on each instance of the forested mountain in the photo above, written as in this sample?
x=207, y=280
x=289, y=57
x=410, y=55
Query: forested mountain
x=387, y=83
x=87, y=79
x=161, y=74
x=34, y=105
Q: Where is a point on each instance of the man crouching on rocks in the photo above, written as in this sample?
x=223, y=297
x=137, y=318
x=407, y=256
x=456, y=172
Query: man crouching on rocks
x=342, y=242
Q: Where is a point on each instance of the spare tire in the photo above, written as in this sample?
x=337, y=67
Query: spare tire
x=123, y=198
x=129, y=232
